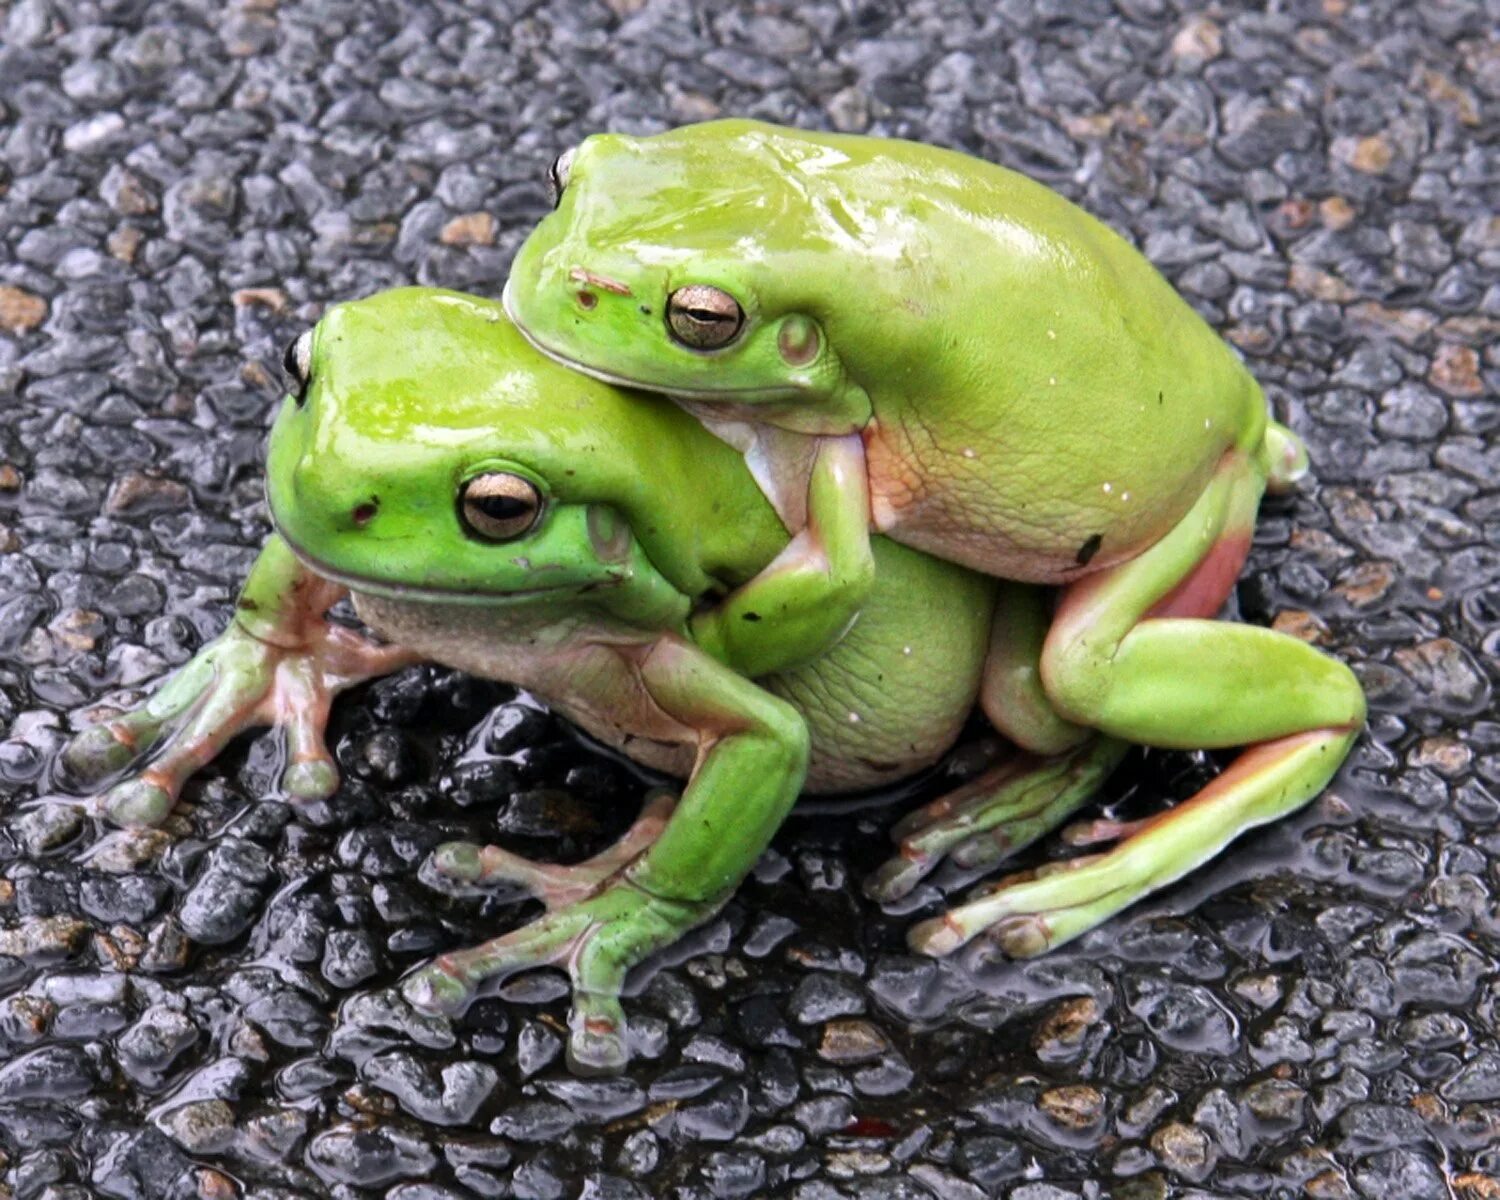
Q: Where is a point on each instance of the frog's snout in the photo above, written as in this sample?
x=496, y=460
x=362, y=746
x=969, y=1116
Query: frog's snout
x=587, y=285
x=339, y=504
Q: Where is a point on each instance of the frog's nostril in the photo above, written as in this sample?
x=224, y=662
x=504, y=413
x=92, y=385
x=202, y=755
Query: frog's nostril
x=363, y=513
x=586, y=299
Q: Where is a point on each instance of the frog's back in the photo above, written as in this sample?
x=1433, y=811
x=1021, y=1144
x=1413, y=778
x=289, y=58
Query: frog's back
x=1045, y=402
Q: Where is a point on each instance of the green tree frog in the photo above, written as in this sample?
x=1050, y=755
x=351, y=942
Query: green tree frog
x=489, y=509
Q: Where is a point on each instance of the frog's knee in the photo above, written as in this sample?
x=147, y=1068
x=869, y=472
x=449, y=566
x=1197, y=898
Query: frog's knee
x=1075, y=677
x=1031, y=720
x=787, y=732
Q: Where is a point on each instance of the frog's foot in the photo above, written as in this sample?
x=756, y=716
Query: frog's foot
x=237, y=682
x=1003, y=810
x=596, y=940
x=1031, y=913
x=460, y=867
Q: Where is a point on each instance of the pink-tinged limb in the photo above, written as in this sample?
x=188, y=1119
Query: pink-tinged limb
x=1122, y=659
x=280, y=663
x=1001, y=812
x=1026, y=917
x=467, y=866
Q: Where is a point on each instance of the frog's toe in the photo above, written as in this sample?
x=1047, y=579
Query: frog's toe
x=467, y=868
x=454, y=868
x=897, y=877
x=982, y=850
x=596, y=1043
x=1022, y=936
x=461, y=862
x=311, y=780
x=97, y=752
x=937, y=937
x=436, y=992
x=136, y=803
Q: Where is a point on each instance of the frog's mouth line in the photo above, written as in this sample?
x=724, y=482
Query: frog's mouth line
x=583, y=368
x=386, y=590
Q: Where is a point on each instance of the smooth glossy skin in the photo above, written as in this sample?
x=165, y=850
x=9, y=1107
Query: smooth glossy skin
x=1034, y=398
x=491, y=510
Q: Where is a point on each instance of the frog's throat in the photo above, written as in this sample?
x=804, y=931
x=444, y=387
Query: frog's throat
x=432, y=595
x=609, y=377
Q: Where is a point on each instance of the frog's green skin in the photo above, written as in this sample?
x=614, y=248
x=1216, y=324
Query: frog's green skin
x=1018, y=389
x=411, y=396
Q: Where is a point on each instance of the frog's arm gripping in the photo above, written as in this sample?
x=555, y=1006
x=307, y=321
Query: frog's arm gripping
x=804, y=601
x=608, y=914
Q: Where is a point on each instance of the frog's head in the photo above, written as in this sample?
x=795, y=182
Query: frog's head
x=427, y=452
x=686, y=263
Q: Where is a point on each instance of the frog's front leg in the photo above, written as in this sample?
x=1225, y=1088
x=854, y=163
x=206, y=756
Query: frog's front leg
x=805, y=599
x=752, y=753
x=279, y=663
x=1131, y=654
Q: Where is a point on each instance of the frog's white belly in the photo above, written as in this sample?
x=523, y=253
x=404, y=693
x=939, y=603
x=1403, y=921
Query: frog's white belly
x=571, y=662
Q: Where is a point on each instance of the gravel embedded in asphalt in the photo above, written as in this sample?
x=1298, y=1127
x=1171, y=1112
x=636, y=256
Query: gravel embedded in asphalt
x=184, y=187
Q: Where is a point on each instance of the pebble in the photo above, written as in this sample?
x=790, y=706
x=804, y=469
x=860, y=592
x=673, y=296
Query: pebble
x=451, y=1096
x=200, y=1127
x=821, y=997
x=369, y=1157
x=852, y=1041
x=1184, y=1150
x=20, y=310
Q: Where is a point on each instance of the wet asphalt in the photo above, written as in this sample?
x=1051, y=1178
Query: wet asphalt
x=184, y=187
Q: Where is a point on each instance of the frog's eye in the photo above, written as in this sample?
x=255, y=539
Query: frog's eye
x=557, y=176
x=499, y=506
x=703, y=317
x=297, y=362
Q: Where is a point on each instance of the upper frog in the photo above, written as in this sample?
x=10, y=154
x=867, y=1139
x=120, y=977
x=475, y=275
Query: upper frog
x=1034, y=399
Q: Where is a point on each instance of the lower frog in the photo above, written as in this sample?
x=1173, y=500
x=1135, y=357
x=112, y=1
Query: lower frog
x=490, y=510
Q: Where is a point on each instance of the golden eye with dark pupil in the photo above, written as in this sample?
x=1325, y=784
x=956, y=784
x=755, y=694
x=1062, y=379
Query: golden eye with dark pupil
x=499, y=507
x=704, y=318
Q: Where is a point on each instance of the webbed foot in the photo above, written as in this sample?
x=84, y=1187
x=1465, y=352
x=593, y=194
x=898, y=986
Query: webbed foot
x=460, y=868
x=1003, y=810
x=1033, y=912
x=599, y=923
x=237, y=682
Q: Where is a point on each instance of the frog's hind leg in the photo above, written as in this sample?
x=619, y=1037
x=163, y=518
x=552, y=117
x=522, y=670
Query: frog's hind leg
x=995, y=815
x=468, y=866
x=1031, y=914
x=1026, y=795
x=1131, y=655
